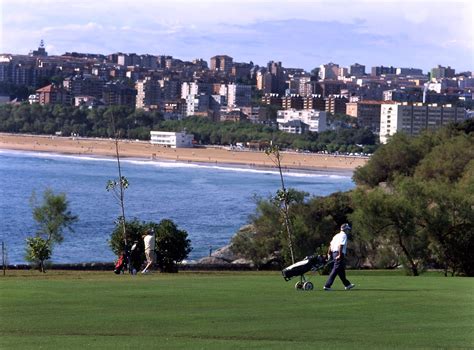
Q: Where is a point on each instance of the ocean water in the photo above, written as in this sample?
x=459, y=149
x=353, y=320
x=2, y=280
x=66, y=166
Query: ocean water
x=210, y=202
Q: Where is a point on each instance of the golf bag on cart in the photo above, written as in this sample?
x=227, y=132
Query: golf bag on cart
x=129, y=260
x=309, y=263
x=122, y=262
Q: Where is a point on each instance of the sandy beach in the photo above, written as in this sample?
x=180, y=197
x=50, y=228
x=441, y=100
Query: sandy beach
x=145, y=150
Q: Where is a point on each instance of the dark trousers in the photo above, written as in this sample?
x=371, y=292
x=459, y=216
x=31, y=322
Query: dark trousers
x=339, y=269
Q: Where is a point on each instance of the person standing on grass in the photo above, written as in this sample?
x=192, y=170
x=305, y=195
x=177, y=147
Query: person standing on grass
x=149, y=240
x=337, y=251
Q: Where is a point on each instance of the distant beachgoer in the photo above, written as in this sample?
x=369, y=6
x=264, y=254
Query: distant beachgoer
x=337, y=250
x=149, y=240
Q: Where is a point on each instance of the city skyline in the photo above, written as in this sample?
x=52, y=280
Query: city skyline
x=299, y=33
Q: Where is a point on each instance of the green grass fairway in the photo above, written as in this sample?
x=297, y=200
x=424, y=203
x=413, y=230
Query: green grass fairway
x=239, y=310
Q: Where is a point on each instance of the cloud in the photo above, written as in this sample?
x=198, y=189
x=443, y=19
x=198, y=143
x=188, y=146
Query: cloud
x=70, y=28
x=298, y=33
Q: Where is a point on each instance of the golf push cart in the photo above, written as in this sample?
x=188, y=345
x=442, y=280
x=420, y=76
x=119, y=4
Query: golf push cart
x=309, y=263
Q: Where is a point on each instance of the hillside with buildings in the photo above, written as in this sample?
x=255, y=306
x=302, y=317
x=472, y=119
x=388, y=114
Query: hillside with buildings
x=384, y=100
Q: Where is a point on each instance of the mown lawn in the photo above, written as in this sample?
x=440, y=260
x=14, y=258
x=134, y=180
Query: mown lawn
x=238, y=310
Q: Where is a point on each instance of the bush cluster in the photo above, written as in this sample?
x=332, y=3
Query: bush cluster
x=413, y=206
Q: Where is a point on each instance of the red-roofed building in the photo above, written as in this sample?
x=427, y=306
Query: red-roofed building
x=53, y=94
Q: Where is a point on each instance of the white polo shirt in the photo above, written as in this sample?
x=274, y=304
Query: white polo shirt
x=338, y=240
x=149, y=241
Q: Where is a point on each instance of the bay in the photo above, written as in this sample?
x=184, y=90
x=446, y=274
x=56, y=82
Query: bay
x=210, y=202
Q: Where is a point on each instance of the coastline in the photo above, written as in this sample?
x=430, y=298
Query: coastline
x=204, y=155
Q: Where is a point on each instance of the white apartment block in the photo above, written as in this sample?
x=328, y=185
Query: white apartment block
x=304, y=86
x=171, y=139
x=238, y=95
x=316, y=120
x=148, y=93
x=189, y=88
x=196, y=104
x=412, y=119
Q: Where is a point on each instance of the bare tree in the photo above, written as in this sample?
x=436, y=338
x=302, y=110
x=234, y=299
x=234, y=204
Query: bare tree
x=283, y=196
x=118, y=187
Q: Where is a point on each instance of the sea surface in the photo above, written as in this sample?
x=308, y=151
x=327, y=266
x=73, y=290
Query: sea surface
x=210, y=202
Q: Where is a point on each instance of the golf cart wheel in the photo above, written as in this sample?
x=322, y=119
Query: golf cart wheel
x=299, y=285
x=308, y=286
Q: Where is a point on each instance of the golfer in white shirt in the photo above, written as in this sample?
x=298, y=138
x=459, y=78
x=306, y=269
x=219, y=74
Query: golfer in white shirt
x=149, y=241
x=337, y=250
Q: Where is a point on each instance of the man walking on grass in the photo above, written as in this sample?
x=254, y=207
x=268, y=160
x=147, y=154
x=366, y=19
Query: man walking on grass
x=337, y=251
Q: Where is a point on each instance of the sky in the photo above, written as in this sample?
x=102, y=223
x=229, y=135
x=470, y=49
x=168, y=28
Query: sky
x=300, y=34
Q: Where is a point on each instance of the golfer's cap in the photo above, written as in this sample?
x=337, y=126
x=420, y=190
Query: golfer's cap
x=345, y=226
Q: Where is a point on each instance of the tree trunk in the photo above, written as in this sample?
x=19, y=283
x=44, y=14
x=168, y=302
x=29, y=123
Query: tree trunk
x=413, y=267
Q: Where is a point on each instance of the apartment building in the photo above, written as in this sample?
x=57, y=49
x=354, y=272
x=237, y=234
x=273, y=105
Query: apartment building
x=357, y=70
x=305, y=88
x=241, y=70
x=441, y=72
x=294, y=127
x=85, y=85
x=367, y=113
x=148, y=93
x=292, y=102
x=171, y=89
x=412, y=119
x=409, y=71
x=336, y=104
x=328, y=71
x=381, y=70
x=316, y=120
x=195, y=88
x=231, y=115
x=197, y=104
x=272, y=99
x=314, y=102
x=222, y=63
x=53, y=94
x=256, y=115
x=328, y=87
x=117, y=93
x=239, y=95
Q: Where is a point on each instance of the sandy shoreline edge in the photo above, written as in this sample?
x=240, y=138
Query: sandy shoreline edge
x=207, y=155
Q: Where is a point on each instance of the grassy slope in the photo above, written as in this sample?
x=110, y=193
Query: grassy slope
x=232, y=311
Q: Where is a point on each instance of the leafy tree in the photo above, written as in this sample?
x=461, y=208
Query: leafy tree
x=448, y=218
x=323, y=216
x=134, y=229
x=262, y=238
x=389, y=218
x=447, y=161
x=314, y=222
x=172, y=245
x=38, y=250
x=400, y=156
x=53, y=218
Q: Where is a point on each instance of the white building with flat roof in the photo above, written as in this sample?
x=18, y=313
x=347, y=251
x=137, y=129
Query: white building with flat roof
x=171, y=139
x=412, y=119
x=316, y=120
